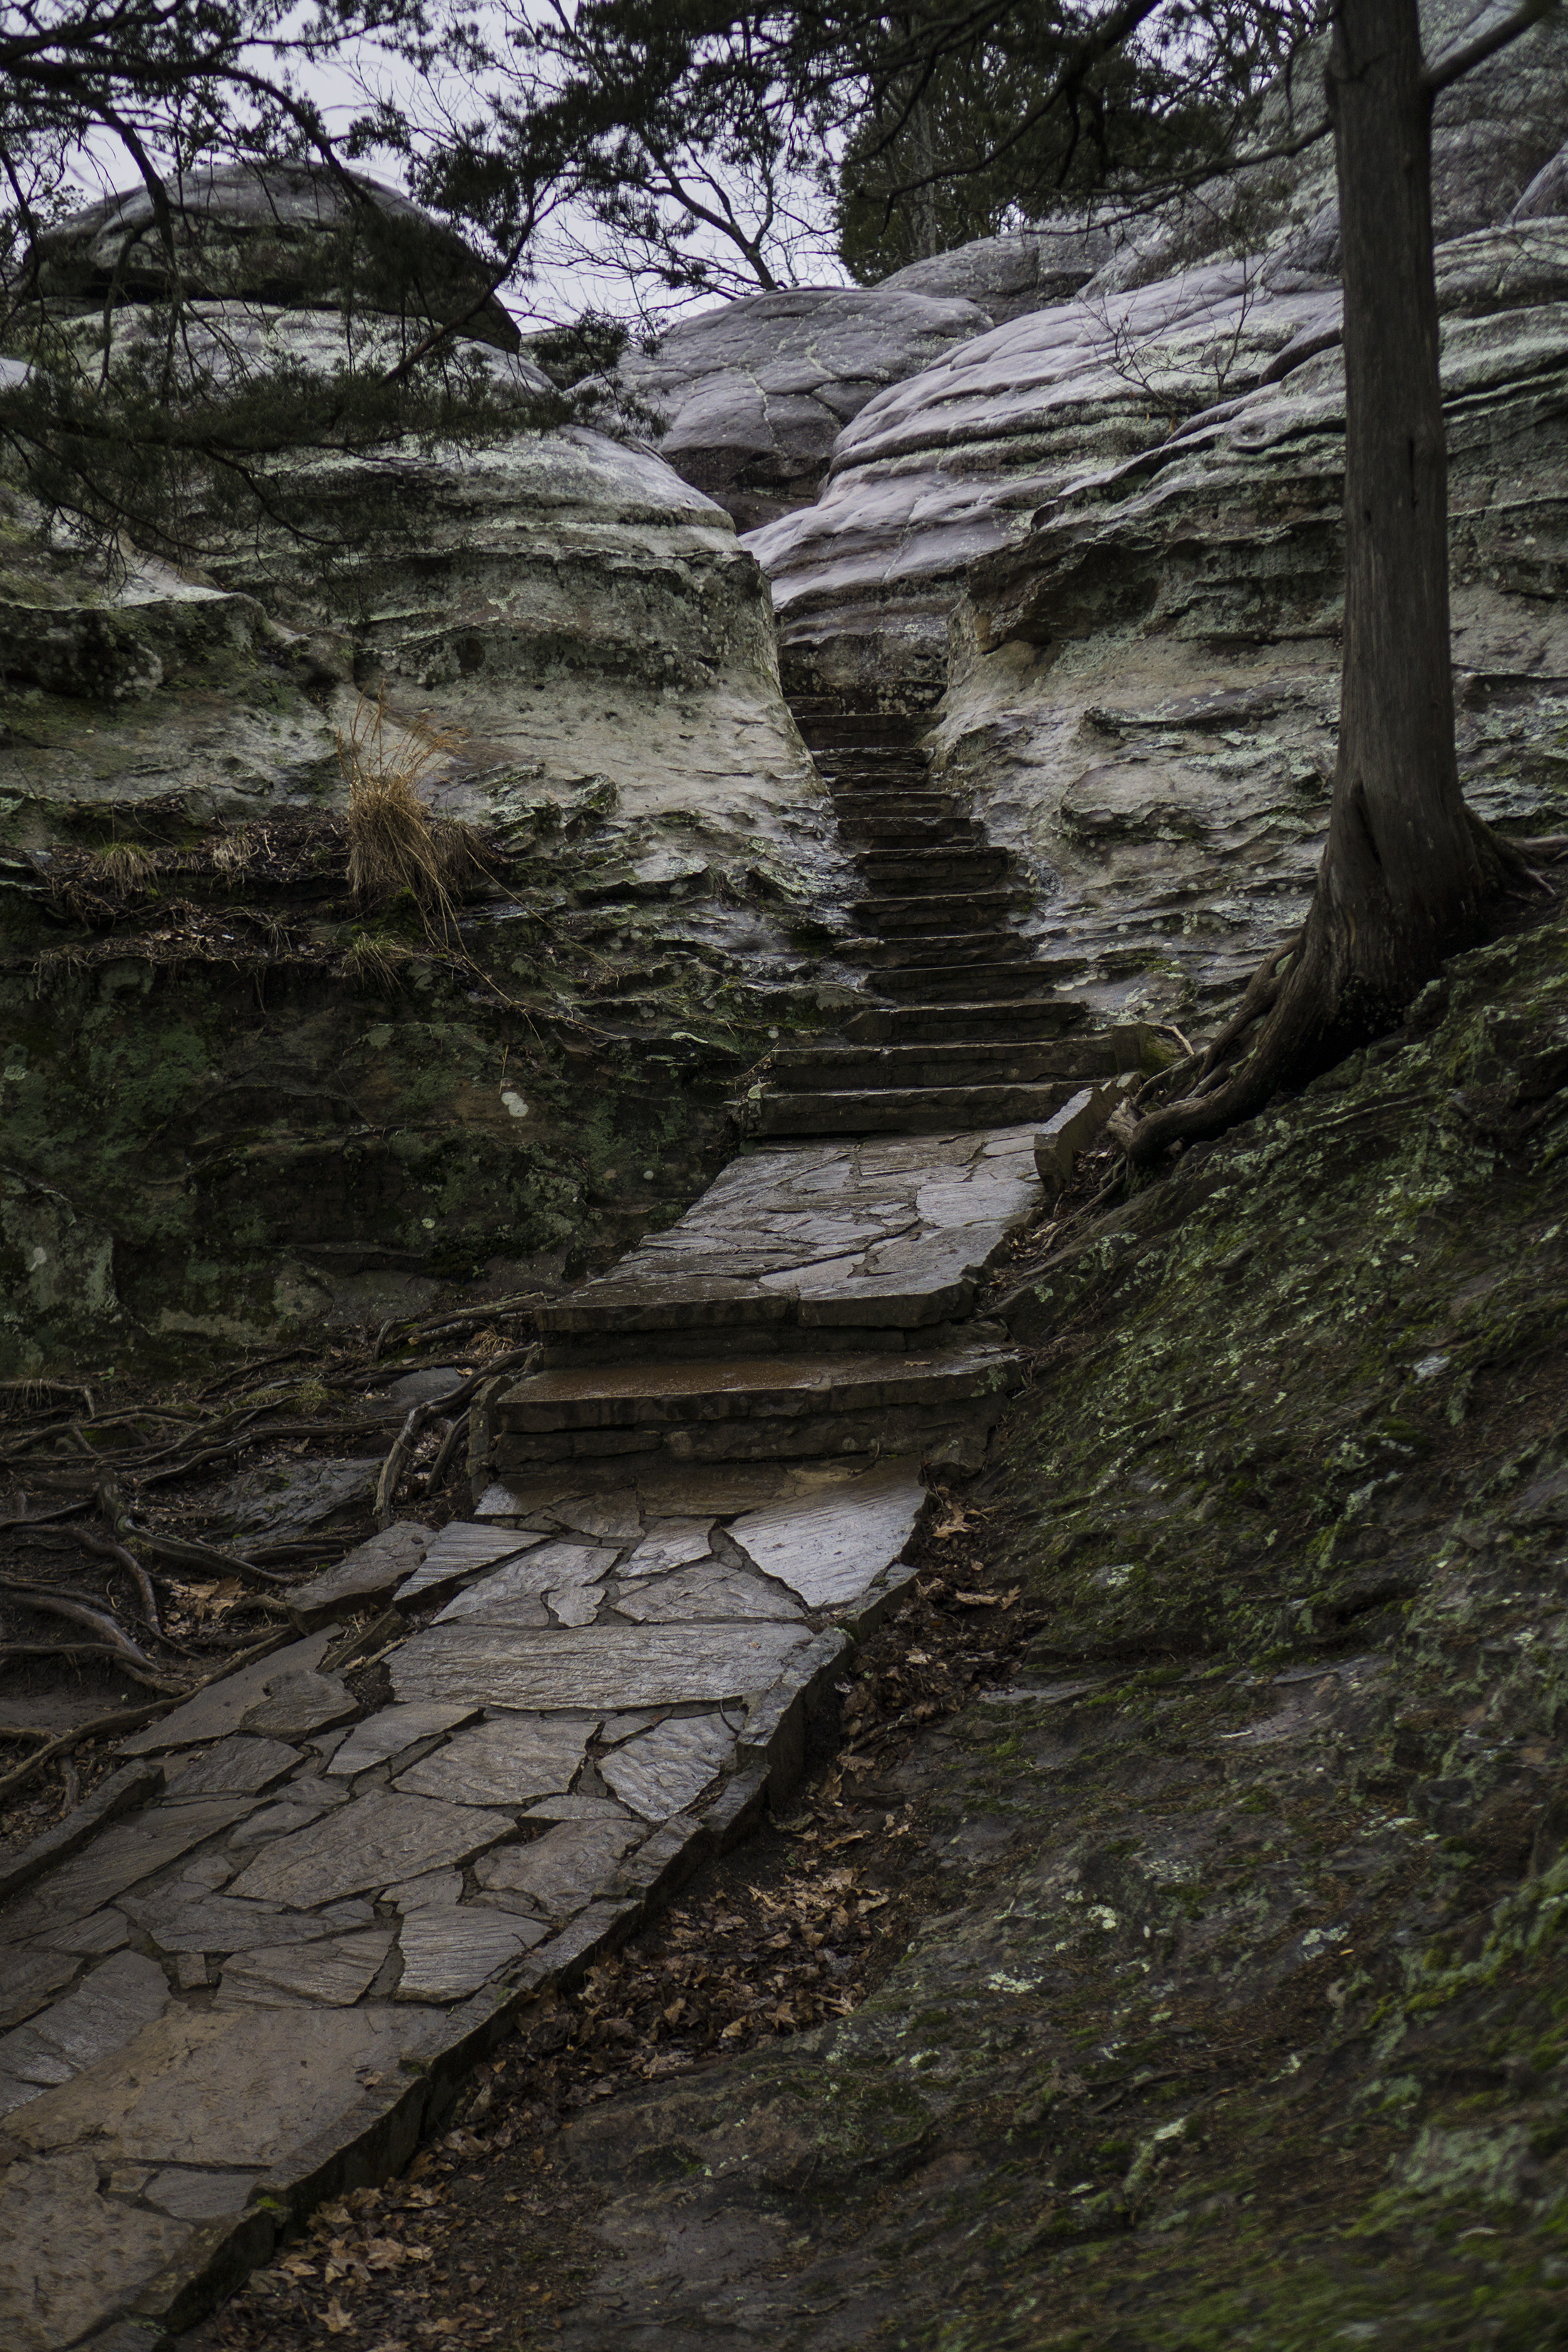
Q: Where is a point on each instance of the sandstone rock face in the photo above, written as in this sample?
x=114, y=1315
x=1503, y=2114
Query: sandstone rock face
x=1147, y=681
x=951, y=464
x=754, y=393
x=570, y=644
x=278, y=233
x=1009, y=274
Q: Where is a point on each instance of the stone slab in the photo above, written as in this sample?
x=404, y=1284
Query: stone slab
x=108, y=2009
x=28, y=1978
x=573, y=1808
x=449, y=1954
x=68, y=2254
x=297, y=1702
x=463, y=1550
x=562, y=1870
x=334, y=1970
x=659, y=1773
x=212, y=1922
x=600, y=1667
x=123, y=1791
x=375, y=1840
x=553, y=1567
x=99, y=1932
x=118, y=1858
x=434, y=1890
x=669, y=1544
x=617, y=1728
x=215, y=1712
x=710, y=1591
x=234, y=1767
x=367, y=1573
x=387, y=1732
x=507, y=1761
x=199, y=2196
x=830, y=1550
x=219, y=2087
x=292, y=1503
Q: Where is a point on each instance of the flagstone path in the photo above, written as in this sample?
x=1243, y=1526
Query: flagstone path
x=260, y=1962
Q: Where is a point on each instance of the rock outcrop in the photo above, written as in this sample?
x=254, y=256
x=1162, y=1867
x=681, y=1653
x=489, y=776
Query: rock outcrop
x=1009, y=274
x=1147, y=681
x=293, y=235
x=237, y=1100
x=1108, y=533
x=952, y=464
x=753, y=395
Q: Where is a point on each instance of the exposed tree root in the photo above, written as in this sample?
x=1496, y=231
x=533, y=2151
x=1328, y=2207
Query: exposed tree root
x=1324, y=992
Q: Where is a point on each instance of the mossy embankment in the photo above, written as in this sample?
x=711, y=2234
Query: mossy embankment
x=1235, y=2012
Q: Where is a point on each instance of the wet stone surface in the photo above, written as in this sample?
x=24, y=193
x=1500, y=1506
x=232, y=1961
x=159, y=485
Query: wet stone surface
x=211, y=1994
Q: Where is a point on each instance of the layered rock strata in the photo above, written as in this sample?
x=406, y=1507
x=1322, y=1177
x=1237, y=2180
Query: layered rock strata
x=752, y=396
x=1137, y=582
x=1220, y=295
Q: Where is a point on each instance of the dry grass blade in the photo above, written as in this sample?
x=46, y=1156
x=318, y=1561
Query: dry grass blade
x=394, y=843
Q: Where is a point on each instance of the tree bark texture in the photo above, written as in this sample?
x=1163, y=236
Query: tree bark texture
x=1407, y=871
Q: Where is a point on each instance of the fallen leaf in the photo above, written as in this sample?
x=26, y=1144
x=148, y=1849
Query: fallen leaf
x=335, y=2319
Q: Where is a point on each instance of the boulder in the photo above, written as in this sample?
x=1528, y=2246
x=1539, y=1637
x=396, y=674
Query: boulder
x=1006, y=276
x=286, y=233
x=753, y=395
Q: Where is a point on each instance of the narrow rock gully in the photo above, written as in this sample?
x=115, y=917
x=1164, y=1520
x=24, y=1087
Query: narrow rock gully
x=260, y=1963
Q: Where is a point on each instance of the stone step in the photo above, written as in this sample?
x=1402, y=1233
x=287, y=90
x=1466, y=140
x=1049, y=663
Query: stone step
x=940, y=912
x=903, y=831
x=1034, y=1017
x=885, y=807
x=906, y=1111
x=825, y=731
x=842, y=1069
x=959, y=978
x=887, y=754
x=937, y=953
x=936, y=870
x=926, y=1325
x=604, y=1408
x=604, y=1456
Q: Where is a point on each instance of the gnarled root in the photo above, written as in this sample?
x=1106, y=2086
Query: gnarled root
x=1325, y=992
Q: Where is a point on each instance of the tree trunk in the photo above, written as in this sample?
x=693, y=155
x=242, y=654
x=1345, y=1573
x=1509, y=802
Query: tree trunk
x=1407, y=871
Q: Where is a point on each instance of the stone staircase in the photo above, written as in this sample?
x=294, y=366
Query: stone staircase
x=962, y=1029
x=813, y=1304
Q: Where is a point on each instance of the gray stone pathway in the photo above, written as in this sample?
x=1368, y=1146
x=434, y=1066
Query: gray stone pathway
x=260, y=1964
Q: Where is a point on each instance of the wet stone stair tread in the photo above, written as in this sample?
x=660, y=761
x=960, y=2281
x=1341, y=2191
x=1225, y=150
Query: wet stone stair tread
x=326, y=1908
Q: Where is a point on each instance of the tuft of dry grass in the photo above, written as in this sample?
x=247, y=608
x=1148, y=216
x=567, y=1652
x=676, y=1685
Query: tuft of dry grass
x=375, y=964
x=394, y=843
